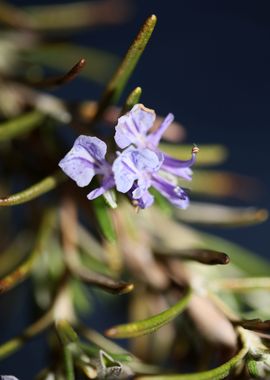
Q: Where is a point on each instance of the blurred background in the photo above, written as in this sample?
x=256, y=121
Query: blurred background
x=208, y=63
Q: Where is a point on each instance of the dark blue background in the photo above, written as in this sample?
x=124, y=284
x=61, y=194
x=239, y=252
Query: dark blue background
x=208, y=63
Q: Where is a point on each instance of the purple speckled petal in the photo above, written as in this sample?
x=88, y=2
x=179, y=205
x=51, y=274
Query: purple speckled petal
x=124, y=171
x=85, y=159
x=154, y=138
x=135, y=164
x=95, y=147
x=143, y=118
x=107, y=184
x=132, y=127
x=146, y=159
x=174, y=194
x=77, y=166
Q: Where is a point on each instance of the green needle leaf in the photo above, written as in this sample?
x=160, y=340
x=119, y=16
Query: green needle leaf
x=118, y=82
x=132, y=99
x=93, y=351
x=32, y=192
x=151, y=324
x=14, y=344
x=66, y=332
x=24, y=269
x=20, y=125
x=68, y=363
x=217, y=373
x=67, y=335
x=104, y=218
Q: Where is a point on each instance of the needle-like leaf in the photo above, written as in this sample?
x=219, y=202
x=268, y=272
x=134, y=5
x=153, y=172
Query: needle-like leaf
x=245, y=284
x=32, y=192
x=151, y=324
x=132, y=99
x=24, y=269
x=104, y=219
x=104, y=282
x=118, y=82
x=223, y=184
x=221, y=216
x=16, y=343
x=60, y=56
x=204, y=256
x=255, y=324
x=217, y=373
x=20, y=125
x=62, y=79
x=76, y=15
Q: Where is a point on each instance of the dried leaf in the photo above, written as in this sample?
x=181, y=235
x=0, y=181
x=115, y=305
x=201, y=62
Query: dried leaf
x=63, y=79
x=60, y=56
x=204, y=256
x=104, y=282
x=221, y=216
x=255, y=324
x=223, y=184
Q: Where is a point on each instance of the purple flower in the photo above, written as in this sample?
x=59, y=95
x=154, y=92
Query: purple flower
x=140, y=166
x=135, y=175
x=136, y=170
x=85, y=160
x=133, y=128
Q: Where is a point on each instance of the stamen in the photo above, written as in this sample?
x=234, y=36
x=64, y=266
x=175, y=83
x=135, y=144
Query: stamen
x=177, y=190
x=135, y=203
x=195, y=149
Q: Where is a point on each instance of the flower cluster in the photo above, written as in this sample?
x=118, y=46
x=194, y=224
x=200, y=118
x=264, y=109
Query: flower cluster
x=138, y=167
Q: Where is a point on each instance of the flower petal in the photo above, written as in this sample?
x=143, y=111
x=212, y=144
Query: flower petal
x=107, y=184
x=154, y=138
x=84, y=160
x=77, y=166
x=94, y=146
x=146, y=159
x=125, y=172
x=135, y=164
x=178, y=167
x=174, y=194
x=132, y=127
x=146, y=200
